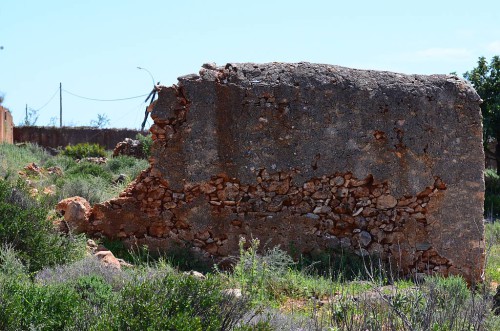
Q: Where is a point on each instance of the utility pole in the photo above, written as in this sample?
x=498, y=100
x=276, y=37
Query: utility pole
x=26, y=117
x=60, y=105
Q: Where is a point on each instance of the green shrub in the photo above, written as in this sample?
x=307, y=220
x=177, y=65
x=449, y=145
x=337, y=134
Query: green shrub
x=258, y=275
x=173, y=302
x=150, y=300
x=29, y=306
x=24, y=226
x=94, y=289
x=11, y=265
x=146, y=142
x=82, y=150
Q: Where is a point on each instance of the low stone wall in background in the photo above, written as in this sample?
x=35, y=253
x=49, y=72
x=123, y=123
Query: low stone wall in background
x=60, y=137
x=312, y=158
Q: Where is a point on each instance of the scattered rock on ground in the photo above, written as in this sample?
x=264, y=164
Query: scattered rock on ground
x=96, y=160
x=105, y=255
x=107, y=258
x=233, y=292
x=76, y=211
x=130, y=147
x=120, y=179
x=195, y=274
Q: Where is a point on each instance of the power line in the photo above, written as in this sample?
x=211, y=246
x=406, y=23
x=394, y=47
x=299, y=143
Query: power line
x=52, y=97
x=95, y=99
x=126, y=113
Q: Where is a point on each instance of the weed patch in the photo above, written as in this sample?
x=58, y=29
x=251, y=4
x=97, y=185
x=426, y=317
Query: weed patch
x=25, y=227
x=83, y=150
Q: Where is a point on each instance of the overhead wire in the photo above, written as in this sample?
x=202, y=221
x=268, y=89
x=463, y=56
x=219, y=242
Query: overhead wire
x=52, y=97
x=107, y=100
x=134, y=108
x=97, y=99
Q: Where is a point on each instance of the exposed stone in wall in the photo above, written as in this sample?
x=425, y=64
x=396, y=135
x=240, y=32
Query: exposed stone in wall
x=313, y=157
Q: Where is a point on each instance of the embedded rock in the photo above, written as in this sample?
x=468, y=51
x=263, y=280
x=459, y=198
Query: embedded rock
x=308, y=157
x=386, y=202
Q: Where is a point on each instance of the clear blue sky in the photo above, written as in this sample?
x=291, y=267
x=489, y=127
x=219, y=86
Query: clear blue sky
x=94, y=47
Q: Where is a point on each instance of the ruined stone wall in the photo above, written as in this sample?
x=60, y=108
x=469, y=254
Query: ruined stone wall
x=312, y=158
x=61, y=137
x=6, y=126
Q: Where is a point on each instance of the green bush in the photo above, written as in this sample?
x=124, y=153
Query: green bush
x=94, y=289
x=24, y=226
x=173, y=302
x=147, y=143
x=82, y=150
x=30, y=306
x=151, y=300
x=11, y=265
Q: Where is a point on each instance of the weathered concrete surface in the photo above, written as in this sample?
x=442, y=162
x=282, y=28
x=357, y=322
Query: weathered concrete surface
x=315, y=157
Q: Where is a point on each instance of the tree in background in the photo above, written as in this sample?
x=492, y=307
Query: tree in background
x=101, y=122
x=486, y=80
x=31, y=117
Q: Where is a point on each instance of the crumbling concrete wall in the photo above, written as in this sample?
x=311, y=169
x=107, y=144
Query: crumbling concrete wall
x=313, y=157
x=6, y=126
